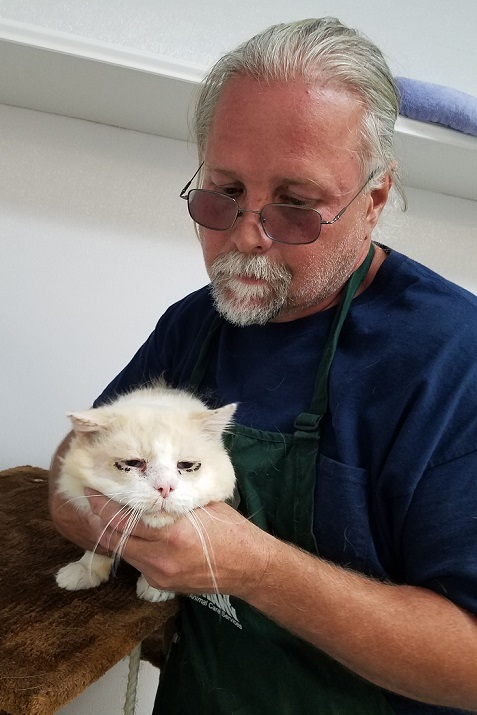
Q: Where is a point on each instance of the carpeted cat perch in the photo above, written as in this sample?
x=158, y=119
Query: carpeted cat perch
x=54, y=643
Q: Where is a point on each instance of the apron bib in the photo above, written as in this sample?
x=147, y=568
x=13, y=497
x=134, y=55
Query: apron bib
x=230, y=659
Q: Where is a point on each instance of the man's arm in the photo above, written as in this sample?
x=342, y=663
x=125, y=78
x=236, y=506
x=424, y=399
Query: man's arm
x=77, y=526
x=403, y=638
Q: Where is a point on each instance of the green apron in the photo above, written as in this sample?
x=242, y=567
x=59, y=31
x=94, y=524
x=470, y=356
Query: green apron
x=230, y=659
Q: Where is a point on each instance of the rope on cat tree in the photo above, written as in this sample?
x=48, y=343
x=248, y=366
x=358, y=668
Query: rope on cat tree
x=133, y=675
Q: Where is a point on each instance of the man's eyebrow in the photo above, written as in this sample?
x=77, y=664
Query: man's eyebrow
x=285, y=180
x=303, y=181
x=219, y=170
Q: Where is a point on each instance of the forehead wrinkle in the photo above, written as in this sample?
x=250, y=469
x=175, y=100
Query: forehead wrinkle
x=333, y=193
x=306, y=181
x=302, y=107
x=284, y=180
x=220, y=170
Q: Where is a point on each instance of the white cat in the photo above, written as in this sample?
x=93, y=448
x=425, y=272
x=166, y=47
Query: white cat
x=157, y=451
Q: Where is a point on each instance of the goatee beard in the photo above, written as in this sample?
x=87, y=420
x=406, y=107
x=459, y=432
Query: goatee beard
x=243, y=303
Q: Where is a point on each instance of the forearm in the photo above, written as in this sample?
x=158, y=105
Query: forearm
x=406, y=639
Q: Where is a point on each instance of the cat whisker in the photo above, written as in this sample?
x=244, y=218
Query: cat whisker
x=113, y=498
x=71, y=500
x=124, y=509
x=204, y=531
x=254, y=514
x=134, y=518
x=199, y=528
x=135, y=513
x=216, y=518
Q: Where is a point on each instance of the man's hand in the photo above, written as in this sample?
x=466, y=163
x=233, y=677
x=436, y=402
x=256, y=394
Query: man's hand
x=215, y=548
x=403, y=638
x=398, y=637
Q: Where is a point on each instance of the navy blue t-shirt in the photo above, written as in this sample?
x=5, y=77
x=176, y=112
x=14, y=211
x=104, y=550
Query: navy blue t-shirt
x=396, y=491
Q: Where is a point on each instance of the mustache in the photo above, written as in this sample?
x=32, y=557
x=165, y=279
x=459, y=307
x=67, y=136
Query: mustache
x=249, y=266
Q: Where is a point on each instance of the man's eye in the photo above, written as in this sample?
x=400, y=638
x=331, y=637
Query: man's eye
x=188, y=466
x=232, y=191
x=294, y=201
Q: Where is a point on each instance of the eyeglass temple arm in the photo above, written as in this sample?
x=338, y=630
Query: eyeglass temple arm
x=340, y=213
x=190, y=182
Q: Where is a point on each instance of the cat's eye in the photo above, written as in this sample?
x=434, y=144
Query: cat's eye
x=126, y=464
x=188, y=466
x=139, y=463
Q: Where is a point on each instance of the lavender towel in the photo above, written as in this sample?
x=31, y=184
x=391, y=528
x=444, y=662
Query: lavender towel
x=428, y=102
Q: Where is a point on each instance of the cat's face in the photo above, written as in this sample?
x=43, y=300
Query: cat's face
x=156, y=462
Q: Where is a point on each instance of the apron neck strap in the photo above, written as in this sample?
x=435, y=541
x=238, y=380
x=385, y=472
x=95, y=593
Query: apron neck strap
x=309, y=421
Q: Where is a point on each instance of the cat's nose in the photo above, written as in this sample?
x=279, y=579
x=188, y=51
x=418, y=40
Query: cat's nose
x=165, y=490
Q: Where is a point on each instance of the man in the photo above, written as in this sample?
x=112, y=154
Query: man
x=347, y=580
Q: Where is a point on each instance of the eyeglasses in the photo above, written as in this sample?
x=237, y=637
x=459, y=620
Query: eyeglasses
x=283, y=223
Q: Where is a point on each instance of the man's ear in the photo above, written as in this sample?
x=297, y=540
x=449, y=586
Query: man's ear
x=377, y=199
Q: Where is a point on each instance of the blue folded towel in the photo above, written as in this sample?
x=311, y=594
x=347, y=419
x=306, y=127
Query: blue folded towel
x=428, y=102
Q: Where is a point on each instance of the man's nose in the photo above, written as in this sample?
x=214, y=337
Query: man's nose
x=248, y=234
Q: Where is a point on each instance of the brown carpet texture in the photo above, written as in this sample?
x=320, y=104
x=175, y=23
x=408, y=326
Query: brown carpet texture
x=54, y=643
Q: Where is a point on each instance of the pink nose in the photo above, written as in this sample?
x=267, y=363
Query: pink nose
x=165, y=490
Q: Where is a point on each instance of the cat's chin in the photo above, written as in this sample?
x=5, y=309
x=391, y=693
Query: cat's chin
x=157, y=521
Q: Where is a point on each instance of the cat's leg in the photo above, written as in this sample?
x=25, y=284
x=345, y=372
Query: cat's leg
x=88, y=572
x=149, y=593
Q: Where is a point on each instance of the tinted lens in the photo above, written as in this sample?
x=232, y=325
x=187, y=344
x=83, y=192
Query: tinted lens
x=291, y=224
x=211, y=209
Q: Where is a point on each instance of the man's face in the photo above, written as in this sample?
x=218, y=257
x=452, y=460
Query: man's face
x=285, y=144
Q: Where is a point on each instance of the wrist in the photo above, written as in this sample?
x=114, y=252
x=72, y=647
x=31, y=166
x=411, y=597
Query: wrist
x=255, y=571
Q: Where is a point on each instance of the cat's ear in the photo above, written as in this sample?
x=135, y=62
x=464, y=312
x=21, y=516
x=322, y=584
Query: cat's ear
x=88, y=421
x=214, y=422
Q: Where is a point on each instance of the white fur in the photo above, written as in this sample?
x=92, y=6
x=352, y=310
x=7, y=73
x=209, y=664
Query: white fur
x=161, y=427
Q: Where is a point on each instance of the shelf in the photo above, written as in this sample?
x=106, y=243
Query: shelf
x=68, y=75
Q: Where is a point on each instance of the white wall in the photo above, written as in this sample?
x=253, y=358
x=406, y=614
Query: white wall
x=95, y=242
x=431, y=40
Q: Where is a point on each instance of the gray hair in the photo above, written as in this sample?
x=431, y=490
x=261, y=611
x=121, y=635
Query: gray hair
x=316, y=49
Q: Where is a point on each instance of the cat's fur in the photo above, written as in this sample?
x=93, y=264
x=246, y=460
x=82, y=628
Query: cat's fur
x=156, y=450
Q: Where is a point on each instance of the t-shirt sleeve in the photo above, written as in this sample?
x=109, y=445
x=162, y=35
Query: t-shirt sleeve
x=439, y=536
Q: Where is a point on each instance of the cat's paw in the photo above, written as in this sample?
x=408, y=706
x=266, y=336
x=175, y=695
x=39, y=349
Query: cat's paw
x=149, y=593
x=88, y=572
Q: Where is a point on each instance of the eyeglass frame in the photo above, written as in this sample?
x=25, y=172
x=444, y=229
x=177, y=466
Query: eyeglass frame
x=241, y=211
